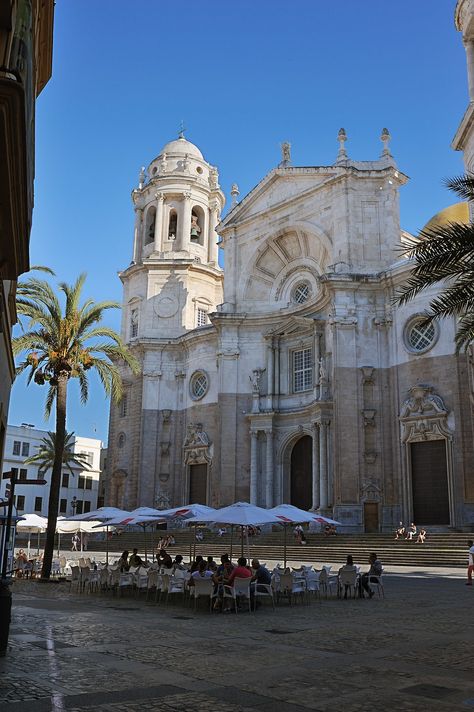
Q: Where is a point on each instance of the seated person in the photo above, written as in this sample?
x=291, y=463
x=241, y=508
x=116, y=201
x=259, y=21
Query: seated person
x=123, y=562
x=221, y=531
x=201, y=573
x=239, y=571
x=211, y=564
x=171, y=540
x=135, y=560
x=225, y=567
x=376, y=569
x=196, y=562
x=348, y=566
x=164, y=559
x=411, y=532
x=261, y=574
x=327, y=530
x=178, y=563
x=302, y=538
x=199, y=535
x=400, y=531
x=421, y=536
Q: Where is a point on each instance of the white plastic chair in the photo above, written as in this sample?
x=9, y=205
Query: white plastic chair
x=377, y=582
x=176, y=584
x=347, y=582
x=312, y=583
x=325, y=582
x=259, y=590
x=152, y=581
x=202, y=587
x=126, y=580
x=75, y=577
x=241, y=587
x=141, y=580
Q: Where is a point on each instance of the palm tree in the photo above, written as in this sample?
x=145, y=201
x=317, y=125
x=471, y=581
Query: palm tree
x=59, y=344
x=47, y=452
x=444, y=254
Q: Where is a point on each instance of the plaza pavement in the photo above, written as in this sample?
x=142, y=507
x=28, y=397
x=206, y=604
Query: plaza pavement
x=83, y=653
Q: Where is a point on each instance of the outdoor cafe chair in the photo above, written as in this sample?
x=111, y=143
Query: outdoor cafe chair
x=312, y=583
x=326, y=582
x=176, y=584
x=55, y=567
x=141, y=580
x=104, y=576
x=241, y=587
x=259, y=590
x=152, y=581
x=82, y=562
x=377, y=582
x=62, y=565
x=85, y=574
x=202, y=587
x=126, y=580
x=347, y=583
x=75, y=577
x=94, y=578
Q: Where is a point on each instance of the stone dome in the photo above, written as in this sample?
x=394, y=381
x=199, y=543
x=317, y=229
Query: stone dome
x=182, y=147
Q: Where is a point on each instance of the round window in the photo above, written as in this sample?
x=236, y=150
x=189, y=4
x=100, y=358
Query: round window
x=301, y=293
x=419, y=336
x=199, y=169
x=199, y=385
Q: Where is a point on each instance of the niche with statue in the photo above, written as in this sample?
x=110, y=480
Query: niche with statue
x=172, y=224
x=197, y=225
x=150, y=225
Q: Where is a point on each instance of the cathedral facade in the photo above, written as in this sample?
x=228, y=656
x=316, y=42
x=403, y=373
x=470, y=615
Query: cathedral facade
x=289, y=376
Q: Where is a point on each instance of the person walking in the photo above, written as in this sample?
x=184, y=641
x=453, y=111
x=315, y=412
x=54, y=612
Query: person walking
x=470, y=567
x=75, y=542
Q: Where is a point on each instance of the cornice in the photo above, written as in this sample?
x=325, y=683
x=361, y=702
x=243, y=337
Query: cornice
x=458, y=142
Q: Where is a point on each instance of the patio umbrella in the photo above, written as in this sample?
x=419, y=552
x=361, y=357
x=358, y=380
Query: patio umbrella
x=130, y=520
x=102, y=515
x=32, y=523
x=187, y=511
x=289, y=514
x=241, y=514
x=63, y=526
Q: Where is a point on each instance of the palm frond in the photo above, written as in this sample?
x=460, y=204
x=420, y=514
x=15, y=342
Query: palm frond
x=50, y=398
x=463, y=186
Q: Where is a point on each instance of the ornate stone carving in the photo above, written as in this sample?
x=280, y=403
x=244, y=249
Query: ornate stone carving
x=255, y=379
x=422, y=401
x=371, y=489
x=367, y=374
x=197, y=446
x=166, y=415
x=370, y=457
x=163, y=163
x=213, y=178
x=285, y=155
x=165, y=448
x=369, y=417
x=162, y=500
x=424, y=416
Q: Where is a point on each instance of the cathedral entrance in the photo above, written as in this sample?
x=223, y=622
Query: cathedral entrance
x=198, y=484
x=301, y=475
x=429, y=478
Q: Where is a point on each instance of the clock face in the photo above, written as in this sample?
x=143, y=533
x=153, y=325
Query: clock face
x=166, y=306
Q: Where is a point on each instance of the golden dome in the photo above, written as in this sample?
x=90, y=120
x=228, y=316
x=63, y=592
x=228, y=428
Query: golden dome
x=457, y=213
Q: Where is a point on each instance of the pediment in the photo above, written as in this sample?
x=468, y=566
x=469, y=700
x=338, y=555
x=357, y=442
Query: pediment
x=290, y=326
x=279, y=187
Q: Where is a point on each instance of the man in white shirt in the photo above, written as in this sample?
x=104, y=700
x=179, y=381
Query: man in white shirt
x=470, y=567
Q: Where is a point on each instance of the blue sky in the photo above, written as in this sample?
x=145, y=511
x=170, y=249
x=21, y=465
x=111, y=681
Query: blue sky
x=244, y=76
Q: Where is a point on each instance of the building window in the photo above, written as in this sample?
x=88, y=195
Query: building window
x=124, y=405
x=88, y=456
x=88, y=483
x=302, y=370
x=20, y=502
x=201, y=317
x=87, y=507
x=133, y=323
x=65, y=480
x=198, y=385
x=15, y=472
x=16, y=447
x=420, y=337
x=78, y=506
x=38, y=504
x=25, y=449
x=81, y=482
x=23, y=474
x=62, y=506
x=301, y=293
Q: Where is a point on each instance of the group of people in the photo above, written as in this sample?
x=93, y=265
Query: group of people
x=299, y=534
x=330, y=530
x=409, y=533
x=166, y=541
x=370, y=576
x=76, y=541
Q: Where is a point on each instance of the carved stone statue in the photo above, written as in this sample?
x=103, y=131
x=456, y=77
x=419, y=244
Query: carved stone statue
x=195, y=229
x=213, y=178
x=255, y=379
x=164, y=163
x=196, y=436
x=422, y=400
x=323, y=373
x=141, y=178
x=285, y=154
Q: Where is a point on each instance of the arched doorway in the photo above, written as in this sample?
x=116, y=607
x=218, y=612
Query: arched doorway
x=300, y=473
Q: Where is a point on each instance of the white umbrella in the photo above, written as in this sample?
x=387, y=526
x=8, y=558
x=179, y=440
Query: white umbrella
x=185, y=512
x=102, y=515
x=147, y=512
x=241, y=514
x=289, y=514
x=32, y=523
x=131, y=520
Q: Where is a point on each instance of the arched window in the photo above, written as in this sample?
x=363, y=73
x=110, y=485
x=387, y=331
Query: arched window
x=134, y=323
x=150, y=226
x=197, y=225
x=172, y=225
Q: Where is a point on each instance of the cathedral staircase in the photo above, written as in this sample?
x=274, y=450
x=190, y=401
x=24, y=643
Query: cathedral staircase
x=446, y=549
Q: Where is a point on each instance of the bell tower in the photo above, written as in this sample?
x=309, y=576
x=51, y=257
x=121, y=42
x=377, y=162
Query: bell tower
x=464, y=138
x=174, y=280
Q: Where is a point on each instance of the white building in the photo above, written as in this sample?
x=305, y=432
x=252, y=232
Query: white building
x=79, y=490
x=291, y=377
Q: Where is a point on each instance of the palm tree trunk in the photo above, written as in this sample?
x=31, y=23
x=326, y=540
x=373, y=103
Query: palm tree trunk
x=53, y=506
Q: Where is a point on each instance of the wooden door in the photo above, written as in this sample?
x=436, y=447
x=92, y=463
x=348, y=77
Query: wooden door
x=429, y=478
x=301, y=476
x=371, y=517
x=198, y=484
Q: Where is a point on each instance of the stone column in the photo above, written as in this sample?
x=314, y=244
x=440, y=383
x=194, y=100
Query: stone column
x=213, y=250
x=323, y=466
x=469, y=45
x=184, y=233
x=269, y=470
x=316, y=357
x=159, y=222
x=315, y=467
x=270, y=374
x=329, y=466
x=137, y=236
x=253, y=466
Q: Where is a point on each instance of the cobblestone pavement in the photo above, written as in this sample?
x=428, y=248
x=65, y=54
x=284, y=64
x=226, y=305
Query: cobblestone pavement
x=410, y=651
